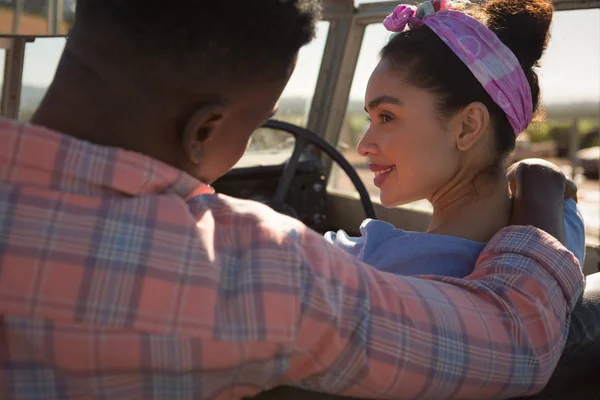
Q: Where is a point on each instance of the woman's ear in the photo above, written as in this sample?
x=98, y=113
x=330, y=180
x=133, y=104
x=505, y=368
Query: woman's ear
x=474, y=121
x=203, y=124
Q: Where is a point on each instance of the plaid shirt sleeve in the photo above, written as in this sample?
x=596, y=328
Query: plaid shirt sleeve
x=154, y=297
x=498, y=333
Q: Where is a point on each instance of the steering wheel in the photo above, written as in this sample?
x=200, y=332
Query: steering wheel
x=304, y=137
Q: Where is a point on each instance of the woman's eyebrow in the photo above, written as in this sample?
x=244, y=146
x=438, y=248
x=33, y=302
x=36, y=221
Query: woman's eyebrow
x=383, y=100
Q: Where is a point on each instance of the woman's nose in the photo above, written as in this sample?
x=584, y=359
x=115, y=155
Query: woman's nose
x=367, y=146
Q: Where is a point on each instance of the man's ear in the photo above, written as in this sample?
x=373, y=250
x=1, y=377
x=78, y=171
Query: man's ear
x=475, y=119
x=203, y=124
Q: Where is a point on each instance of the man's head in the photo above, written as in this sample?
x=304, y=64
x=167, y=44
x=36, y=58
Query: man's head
x=185, y=82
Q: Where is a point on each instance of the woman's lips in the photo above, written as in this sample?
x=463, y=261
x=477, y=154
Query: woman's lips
x=381, y=172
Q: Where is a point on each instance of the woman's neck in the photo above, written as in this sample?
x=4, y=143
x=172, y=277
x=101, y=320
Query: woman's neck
x=473, y=210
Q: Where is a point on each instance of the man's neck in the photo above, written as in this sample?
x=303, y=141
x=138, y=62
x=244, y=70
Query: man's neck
x=78, y=104
x=62, y=111
x=82, y=107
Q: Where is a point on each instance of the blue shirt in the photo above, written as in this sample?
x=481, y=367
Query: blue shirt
x=418, y=253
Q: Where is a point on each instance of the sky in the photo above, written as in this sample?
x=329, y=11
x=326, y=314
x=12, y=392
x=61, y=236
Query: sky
x=570, y=69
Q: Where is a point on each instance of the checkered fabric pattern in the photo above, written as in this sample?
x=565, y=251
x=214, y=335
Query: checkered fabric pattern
x=124, y=278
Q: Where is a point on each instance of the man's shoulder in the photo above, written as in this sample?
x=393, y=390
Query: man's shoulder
x=241, y=213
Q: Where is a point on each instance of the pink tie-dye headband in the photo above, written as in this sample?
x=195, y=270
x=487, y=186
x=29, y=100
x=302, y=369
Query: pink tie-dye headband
x=493, y=64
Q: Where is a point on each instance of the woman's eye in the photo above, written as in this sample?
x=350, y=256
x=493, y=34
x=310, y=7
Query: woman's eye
x=381, y=118
x=385, y=118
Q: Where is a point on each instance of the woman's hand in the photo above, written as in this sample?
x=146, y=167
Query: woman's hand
x=539, y=189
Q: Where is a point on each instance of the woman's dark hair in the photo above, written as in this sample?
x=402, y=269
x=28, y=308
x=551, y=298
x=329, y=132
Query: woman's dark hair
x=522, y=25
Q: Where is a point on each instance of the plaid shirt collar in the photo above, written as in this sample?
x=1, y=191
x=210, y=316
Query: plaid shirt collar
x=72, y=165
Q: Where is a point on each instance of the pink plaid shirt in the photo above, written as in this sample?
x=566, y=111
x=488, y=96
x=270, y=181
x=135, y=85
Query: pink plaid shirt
x=121, y=278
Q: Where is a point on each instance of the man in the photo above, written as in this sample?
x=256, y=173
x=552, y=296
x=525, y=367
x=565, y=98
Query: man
x=124, y=276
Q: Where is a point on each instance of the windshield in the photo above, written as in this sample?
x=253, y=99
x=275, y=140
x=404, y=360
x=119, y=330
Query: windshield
x=268, y=147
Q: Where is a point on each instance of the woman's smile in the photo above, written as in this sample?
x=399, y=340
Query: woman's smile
x=381, y=172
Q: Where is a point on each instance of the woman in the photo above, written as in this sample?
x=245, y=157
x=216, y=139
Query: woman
x=455, y=86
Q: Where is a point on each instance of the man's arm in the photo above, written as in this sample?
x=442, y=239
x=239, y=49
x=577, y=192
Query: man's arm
x=303, y=312
x=225, y=297
x=498, y=333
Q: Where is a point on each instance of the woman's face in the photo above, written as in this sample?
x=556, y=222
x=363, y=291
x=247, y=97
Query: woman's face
x=410, y=152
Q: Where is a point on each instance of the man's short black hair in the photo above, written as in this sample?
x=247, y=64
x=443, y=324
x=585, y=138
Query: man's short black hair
x=234, y=41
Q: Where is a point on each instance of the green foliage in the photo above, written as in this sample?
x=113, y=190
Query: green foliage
x=538, y=132
x=560, y=135
x=590, y=139
x=558, y=131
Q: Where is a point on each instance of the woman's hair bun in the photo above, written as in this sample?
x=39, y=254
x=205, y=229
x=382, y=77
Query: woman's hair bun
x=522, y=25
